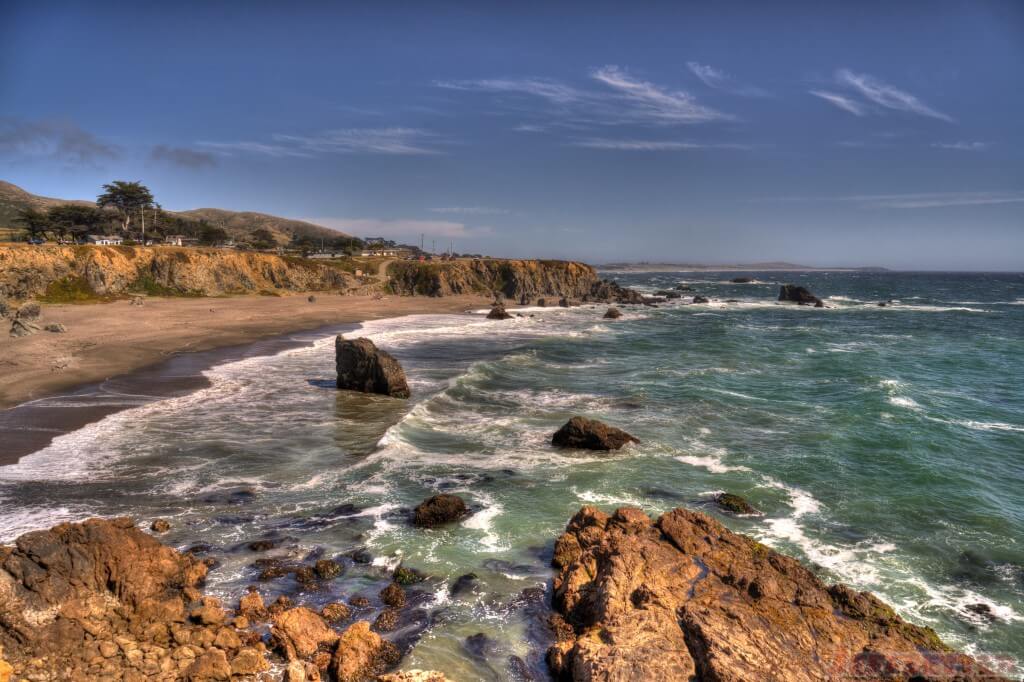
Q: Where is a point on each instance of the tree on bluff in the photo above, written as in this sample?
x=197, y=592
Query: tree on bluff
x=128, y=199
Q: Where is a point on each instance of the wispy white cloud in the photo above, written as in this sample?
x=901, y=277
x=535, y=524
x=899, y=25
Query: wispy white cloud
x=844, y=103
x=529, y=128
x=887, y=96
x=718, y=79
x=651, y=145
x=401, y=228
x=962, y=146
x=402, y=141
x=551, y=90
x=470, y=210
x=654, y=101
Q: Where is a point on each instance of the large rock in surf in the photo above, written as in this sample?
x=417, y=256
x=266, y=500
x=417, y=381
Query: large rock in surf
x=102, y=599
x=438, y=510
x=363, y=367
x=300, y=633
x=797, y=294
x=684, y=598
x=590, y=434
x=612, y=313
x=498, y=312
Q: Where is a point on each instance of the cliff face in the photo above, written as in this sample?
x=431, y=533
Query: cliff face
x=82, y=272
x=522, y=281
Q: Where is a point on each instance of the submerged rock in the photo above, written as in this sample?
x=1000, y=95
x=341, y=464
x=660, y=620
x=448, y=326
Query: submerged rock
x=700, y=299
x=590, y=434
x=742, y=280
x=612, y=313
x=734, y=504
x=684, y=598
x=363, y=367
x=160, y=526
x=797, y=294
x=439, y=509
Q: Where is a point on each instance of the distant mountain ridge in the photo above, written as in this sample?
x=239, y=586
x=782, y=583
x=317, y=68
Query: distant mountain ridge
x=238, y=224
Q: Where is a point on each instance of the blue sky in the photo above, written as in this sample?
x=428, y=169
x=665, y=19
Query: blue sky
x=864, y=133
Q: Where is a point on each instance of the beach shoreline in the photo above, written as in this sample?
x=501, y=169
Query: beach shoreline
x=159, y=350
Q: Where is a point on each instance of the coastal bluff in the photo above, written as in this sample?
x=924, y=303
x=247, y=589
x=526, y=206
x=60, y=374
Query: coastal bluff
x=684, y=598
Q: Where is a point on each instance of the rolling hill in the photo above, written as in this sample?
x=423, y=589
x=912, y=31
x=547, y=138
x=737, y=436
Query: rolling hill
x=238, y=224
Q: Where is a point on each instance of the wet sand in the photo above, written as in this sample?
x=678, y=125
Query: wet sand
x=116, y=356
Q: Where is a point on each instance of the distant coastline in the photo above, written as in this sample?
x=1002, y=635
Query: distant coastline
x=774, y=266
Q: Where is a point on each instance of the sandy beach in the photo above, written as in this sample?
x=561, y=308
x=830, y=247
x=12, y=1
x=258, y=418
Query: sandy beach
x=110, y=339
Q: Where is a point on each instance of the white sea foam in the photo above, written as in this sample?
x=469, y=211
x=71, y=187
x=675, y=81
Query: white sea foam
x=711, y=463
x=989, y=426
x=904, y=402
x=483, y=521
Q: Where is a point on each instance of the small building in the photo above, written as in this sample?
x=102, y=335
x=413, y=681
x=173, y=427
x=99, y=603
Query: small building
x=385, y=253
x=323, y=255
x=103, y=240
x=174, y=240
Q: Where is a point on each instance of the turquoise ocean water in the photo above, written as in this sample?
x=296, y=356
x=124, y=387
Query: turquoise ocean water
x=884, y=446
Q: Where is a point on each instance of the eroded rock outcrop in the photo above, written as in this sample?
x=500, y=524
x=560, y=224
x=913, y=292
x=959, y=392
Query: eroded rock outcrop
x=797, y=294
x=438, y=510
x=361, y=366
x=590, y=434
x=103, y=600
x=684, y=598
x=498, y=312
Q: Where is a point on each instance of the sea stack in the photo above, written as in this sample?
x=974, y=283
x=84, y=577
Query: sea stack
x=363, y=367
x=797, y=294
x=590, y=434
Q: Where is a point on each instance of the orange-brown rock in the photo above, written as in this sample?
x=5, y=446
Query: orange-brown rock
x=103, y=600
x=414, y=676
x=684, y=598
x=362, y=654
x=300, y=633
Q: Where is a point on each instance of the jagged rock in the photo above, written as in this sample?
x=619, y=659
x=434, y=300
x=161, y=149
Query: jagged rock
x=797, y=294
x=734, y=503
x=393, y=595
x=251, y=606
x=742, y=280
x=414, y=676
x=327, y=569
x=160, y=526
x=55, y=328
x=386, y=620
x=498, y=312
x=563, y=302
x=21, y=328
x=612, y=313
x=28, y=312
x=5, y=668
x=361, y=654
x=363, y=367
x=439, y=509
x=684, y=598
x=212, y=665
x=701, y=299
x=248, y=661
x=335, y=612
x=300, y=633
x=819, y=304
x=406, y=576
x=590, y=434
x=683, y=287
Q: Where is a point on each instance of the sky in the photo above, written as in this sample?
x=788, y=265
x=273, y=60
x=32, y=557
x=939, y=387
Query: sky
x=832, y=134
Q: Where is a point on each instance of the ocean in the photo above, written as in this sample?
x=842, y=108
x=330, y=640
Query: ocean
x=883, y=446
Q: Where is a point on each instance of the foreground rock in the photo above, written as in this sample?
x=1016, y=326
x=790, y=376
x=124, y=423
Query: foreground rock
x=683, y=598
x=362, y=654
x=590, y=434
x=103, y=600
x=363, y=367
x=438, y=510
x=612, y=313
x=795, y=294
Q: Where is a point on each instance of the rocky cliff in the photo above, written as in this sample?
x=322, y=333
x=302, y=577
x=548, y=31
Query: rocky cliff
x=68, y=273
x=684, y=598
x=522, y=281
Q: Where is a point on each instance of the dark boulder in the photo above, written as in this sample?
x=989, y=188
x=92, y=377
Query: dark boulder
x=439, y=509
x=742, y=280
x=363, y=367
x=498, y=312
x=612, y=313
x=590, y=434
x=734, y=504
x=563, y=302
x=797, y=294
x=393, y=595
x=700, y=299
x=464, y=583
x=542, y=303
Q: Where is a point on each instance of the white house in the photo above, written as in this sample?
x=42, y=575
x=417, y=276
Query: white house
x=174, y=240
x=104, y=240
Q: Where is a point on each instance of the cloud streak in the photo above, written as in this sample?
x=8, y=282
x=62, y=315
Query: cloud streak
x=655, y=102
x=59, y=140
x=919, y=200
x=961, y=146
x=887, y=96
x=844, y=103
x=719, y=80
x=470, y=210
x=651, y=145
x=393, y=141
x=181, y=156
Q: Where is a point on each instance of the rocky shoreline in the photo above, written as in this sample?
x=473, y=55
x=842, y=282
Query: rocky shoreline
x=677, y=598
